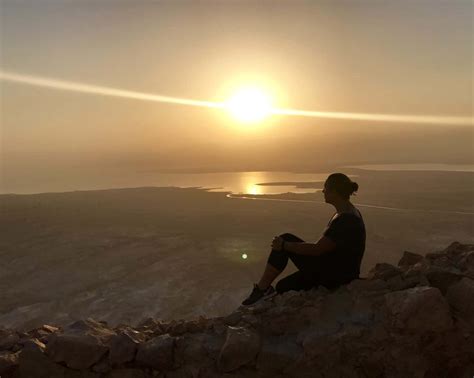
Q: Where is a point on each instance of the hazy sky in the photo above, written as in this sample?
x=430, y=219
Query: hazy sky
x=400, y=57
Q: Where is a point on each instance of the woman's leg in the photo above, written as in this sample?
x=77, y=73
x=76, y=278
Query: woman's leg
x=276, y=263
x=307, y=275
x=295, y=281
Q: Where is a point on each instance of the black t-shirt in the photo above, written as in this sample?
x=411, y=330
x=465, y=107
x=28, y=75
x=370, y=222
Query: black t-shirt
x=343, y=264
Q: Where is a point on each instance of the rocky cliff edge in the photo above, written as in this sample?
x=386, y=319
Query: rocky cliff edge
x=411, y=320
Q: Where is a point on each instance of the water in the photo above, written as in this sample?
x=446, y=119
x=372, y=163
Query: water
x=258, y=182
x=416, y=167
x=234, y=182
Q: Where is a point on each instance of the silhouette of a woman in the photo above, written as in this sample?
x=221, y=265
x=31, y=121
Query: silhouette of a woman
x=332, y=261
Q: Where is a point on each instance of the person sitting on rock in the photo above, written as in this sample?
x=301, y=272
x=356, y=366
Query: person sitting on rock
x=332, y=261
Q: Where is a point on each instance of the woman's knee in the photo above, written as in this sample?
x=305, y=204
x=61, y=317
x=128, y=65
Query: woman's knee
x=290, y=237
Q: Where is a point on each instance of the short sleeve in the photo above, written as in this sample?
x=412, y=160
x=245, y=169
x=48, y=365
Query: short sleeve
x=337, y=229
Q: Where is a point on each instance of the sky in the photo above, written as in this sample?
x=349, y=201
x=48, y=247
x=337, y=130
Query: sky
x=392, y=57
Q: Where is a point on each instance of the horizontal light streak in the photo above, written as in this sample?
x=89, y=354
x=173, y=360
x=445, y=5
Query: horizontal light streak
x=106, y=91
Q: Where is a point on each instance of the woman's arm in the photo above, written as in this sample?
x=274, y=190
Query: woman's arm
x=323, y=245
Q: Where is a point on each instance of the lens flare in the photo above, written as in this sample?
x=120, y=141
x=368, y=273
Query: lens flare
x=251, y=107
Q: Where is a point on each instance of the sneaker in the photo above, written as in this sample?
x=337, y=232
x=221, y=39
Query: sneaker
x=257, y=294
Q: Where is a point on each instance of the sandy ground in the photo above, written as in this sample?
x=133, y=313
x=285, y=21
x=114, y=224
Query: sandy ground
x=124, y=254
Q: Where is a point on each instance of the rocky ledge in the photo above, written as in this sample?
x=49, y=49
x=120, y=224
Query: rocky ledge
x=411, y=320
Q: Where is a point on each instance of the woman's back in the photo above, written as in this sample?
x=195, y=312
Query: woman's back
x=347, y=230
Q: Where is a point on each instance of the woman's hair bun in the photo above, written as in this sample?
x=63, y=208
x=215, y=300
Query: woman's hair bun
x=341, y=184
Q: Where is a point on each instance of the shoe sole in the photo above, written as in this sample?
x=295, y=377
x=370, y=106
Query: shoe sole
x=269, y=296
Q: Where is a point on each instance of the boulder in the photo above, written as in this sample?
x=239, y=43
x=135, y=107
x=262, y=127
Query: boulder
x=397, y=322
x=461, y=298
x=276, y=354
x=123, y=347
x=151, y=324
x=318, y=336
x=240, y=347
x=43, y=332
x=102, y=367
x=33, y=362
x=418, y=309
x=191, y=349
x=81, y=345
x=233, y=318
x=367, y=287
x=157, y=353
x=466, y=264
x=442, y=278
x=8, y=363
x=8, y=338
x=440, y=260
x=456, y=249
x=409, y=259
x=383, y=271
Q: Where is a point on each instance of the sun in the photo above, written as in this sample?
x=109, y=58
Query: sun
x=249, y=105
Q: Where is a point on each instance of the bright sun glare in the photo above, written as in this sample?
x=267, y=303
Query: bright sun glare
x=249, y=105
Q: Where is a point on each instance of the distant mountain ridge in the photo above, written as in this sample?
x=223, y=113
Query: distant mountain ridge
x=411, y=320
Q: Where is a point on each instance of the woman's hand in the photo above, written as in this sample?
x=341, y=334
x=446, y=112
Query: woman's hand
x=277, y=243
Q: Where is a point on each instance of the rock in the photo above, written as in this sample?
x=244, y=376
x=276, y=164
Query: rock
x=34, y=363
x=213, y=343
x=337, y=305
x=407, y=280
x=383, y=271
x=409, y=259
x=191, y=349
x=157, y=353
x=43, y=332
x=397, y=322
x=461, y=297
x=176, y=328
x=219, y=327
x=128, y=373
x=439, y=260
x=151, y=324
x=363, y=312
x=8, y=363
x=276, y=354
x=314, y=339
x=466, y=264
x=76, y=351
x=251, y=320
x=233, y=318
x=276, y=325
x=419, y=309
x=102, y=367
x=82, y=344
x=8, y=339
x=195, y=326
x=365, y=286
x=456, y=249
x=442, y=279
x=240, y=347
x=123, y=348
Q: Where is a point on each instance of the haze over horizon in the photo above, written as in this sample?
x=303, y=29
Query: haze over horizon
x=365, y=57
